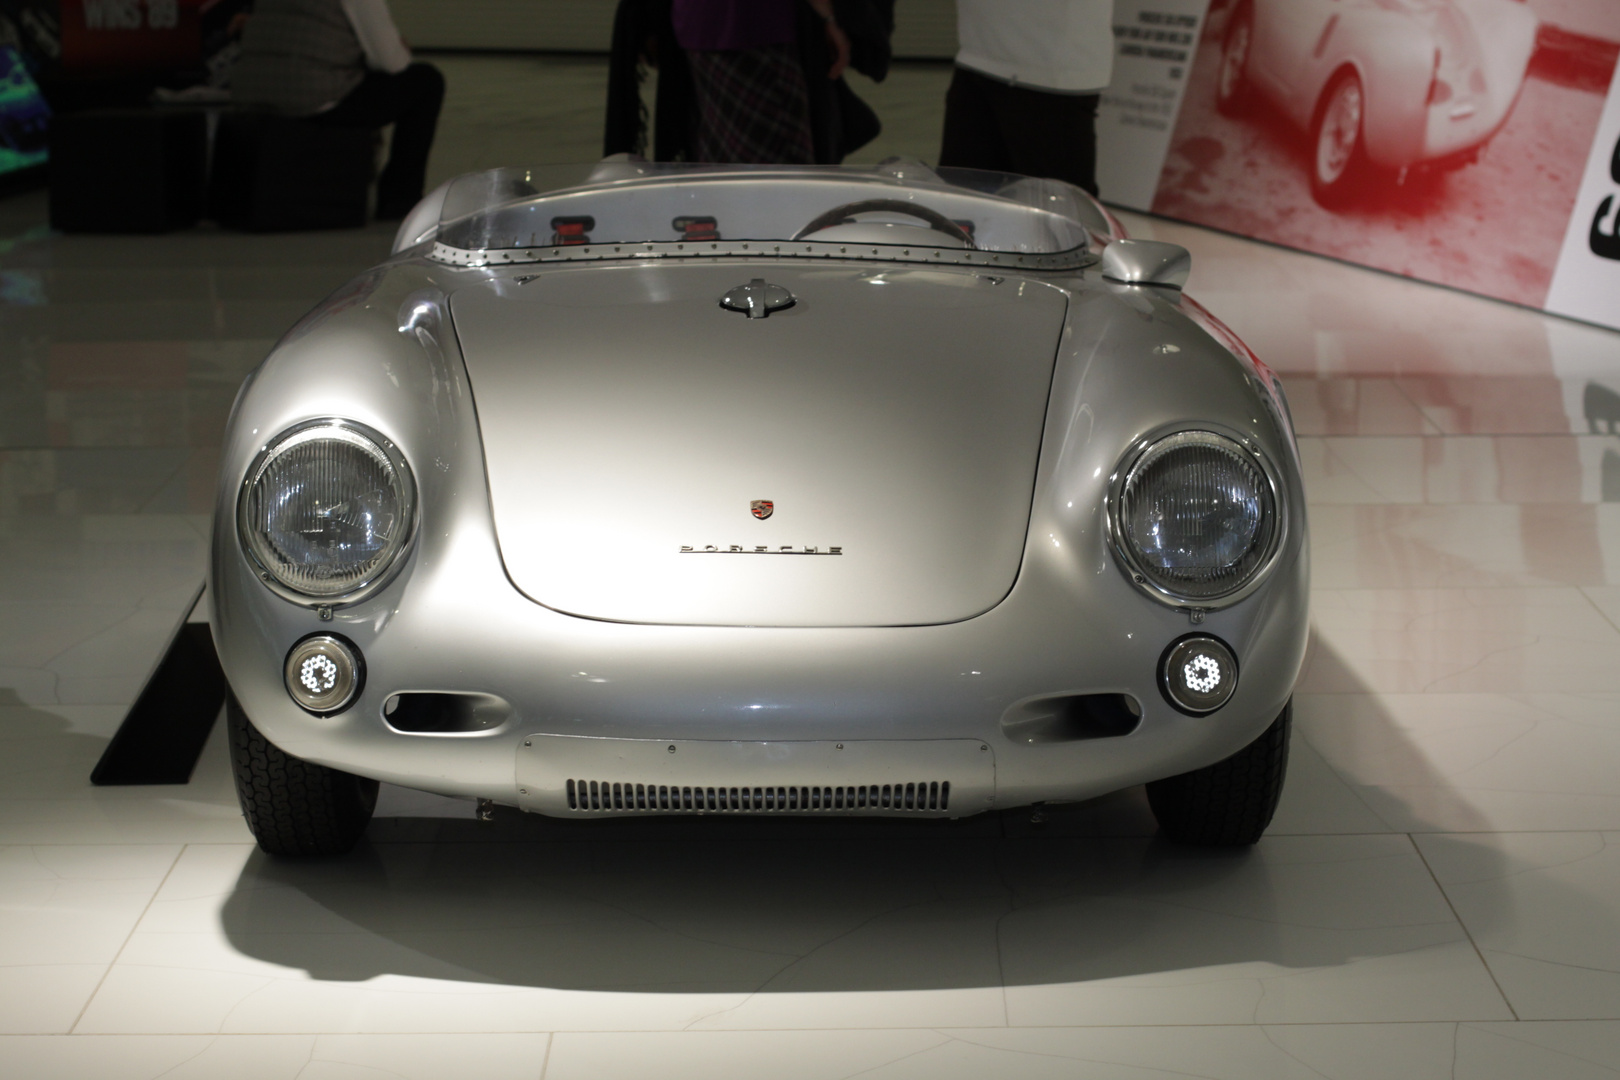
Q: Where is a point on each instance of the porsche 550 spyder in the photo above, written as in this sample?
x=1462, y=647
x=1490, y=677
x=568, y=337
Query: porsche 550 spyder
x=640, y=489
x=1395, y=84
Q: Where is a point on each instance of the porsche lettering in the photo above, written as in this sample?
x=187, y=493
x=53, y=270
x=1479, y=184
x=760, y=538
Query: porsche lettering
x=758, y=549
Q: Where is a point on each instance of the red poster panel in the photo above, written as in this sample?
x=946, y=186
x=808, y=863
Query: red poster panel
x=120, y=37
x=1442, y=139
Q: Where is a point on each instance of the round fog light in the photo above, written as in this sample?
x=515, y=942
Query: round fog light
x=1198, y=674
x=324, y=673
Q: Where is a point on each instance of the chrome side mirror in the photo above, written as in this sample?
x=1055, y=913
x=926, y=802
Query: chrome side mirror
x=1146, y=262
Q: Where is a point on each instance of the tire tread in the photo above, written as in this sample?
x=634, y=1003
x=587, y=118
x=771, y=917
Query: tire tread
x=1229, y=803
x=292, y=806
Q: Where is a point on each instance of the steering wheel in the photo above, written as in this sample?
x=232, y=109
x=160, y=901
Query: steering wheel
x=840, y=215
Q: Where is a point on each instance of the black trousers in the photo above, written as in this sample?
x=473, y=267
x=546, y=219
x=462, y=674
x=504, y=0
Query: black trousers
x=410, y=101
x=994, y=125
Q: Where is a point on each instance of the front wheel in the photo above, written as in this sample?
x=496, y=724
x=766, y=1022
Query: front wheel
x=1229, y=803
x=1338, y=151
x=293, y=806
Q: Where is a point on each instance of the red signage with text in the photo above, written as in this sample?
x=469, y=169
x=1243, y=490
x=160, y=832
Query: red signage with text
x=116, y=37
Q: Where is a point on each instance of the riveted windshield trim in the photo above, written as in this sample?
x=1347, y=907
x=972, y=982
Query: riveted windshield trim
x=1073, y=259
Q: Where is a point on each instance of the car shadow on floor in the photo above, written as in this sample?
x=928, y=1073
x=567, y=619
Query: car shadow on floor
x=760, y=906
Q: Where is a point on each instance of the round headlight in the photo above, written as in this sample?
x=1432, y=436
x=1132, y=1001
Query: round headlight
x=1197, y=516
x=326, y=510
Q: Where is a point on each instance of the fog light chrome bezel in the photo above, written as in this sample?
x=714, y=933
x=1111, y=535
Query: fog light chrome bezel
x=338, y=650
x=1171, y=686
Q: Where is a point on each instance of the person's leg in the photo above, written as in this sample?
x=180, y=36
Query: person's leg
x=410, y=101
x=752, y=106
x=973, y=138
x=1048, y=134
x=401, y=185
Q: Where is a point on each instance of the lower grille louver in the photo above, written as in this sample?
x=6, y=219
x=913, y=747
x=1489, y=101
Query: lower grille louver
x=621, y=797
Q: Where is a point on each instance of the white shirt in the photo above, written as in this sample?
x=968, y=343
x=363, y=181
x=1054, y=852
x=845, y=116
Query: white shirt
x=374, y=25
x=1065, y=46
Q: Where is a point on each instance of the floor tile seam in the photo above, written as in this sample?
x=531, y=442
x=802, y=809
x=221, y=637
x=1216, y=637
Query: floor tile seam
x=92, y=844
x=97, y=447
x=1398, y=503
x=163, y=484
x=1463, y=926
x=1436, y=428
x=1601, y=435
x=1560, y=1052
x=553, y=1033
x=1496, y=434
x=1549, y=586
x=545, y=1059
x=133, y=613
x=1357, y=790
x=1455, y=833
x=133, y=928
x=1594, y=604
x=1515, y=955
x=1270, y=833
x=1428, y=694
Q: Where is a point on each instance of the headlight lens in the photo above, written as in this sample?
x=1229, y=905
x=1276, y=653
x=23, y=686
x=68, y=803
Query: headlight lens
x=327, y=509
x=1198, y=515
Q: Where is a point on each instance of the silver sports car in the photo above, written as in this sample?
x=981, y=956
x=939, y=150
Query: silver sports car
x=640, y=489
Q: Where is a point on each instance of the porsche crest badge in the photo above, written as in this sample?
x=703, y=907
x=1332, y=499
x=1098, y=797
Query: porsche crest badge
x=762, y=508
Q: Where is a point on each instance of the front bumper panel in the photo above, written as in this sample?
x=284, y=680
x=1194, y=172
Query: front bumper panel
x=574, y=775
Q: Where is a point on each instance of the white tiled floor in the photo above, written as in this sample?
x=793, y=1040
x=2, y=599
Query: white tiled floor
x=1439, y=896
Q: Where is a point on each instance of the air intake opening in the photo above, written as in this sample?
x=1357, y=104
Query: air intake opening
x=435, y=713
x=1071, y=718
x=619, y=796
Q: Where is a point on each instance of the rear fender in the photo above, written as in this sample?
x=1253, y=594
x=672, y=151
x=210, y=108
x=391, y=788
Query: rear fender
x=1393, y=57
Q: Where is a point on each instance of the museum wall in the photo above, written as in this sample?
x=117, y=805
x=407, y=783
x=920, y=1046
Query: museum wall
x=923, y=28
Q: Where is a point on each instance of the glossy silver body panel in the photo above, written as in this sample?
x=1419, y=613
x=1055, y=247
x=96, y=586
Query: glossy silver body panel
x=915, y=465
x=1114, y=362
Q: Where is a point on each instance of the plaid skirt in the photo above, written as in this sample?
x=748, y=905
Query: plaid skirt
x=752, y=106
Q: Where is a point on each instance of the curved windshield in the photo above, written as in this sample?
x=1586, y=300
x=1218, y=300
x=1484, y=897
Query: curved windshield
x=896, y=203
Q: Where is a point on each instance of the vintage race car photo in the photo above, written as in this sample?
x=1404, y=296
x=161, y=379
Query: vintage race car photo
x=639, y=489
x=1386, y=85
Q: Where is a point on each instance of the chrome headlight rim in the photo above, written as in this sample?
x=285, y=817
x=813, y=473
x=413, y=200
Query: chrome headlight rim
x=1130, y=563
x=384, y=572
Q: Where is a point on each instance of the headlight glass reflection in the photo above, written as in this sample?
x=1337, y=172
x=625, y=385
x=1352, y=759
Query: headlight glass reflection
x=1198, y=513
x=327, y=509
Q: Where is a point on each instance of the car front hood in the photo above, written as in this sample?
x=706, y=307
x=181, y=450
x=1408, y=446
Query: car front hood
x=892, y=419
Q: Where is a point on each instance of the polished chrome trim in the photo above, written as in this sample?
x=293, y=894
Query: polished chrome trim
x=384, y=573
x=1131, y=566
x=1147, y=262
x=1164, y=674
x=757, y=299
x=356, y=658
x=1073, y=259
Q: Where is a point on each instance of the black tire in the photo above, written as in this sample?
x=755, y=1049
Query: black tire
x=292, y=806
x=1233, y=90
x=1229, y=803
x=1339, y=173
